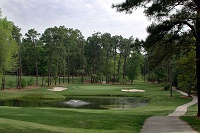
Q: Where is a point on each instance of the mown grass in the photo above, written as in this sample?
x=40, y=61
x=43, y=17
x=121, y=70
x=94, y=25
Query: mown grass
x=191, y=117
x=31, y=119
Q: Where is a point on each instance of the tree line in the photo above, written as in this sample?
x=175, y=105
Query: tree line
x=62, y=52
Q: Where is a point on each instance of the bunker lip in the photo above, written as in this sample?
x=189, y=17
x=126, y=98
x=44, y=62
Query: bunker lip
x=58, y=89
x=132, y=90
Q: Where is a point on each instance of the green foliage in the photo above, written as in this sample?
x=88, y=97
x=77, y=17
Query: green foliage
x=81, y=72
x=23, y=83
x=168, y=37
x=94, y=78
x=8, y=46
x=45, y=81
x=166, y=86
x=10, y=83
x=30, y=82
x=134, y=65
x=121, y=80
x=186, y=70
x=63, y=43
x=159, y=74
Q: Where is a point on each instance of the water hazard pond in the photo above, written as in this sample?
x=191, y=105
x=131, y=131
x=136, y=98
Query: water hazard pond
x=82, y=102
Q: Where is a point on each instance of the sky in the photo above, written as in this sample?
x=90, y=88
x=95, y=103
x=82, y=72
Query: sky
x=88, y=16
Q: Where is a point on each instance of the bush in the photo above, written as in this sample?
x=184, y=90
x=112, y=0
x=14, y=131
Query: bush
x=23, y=83
x=121, y=80
x=45, y=81
x=30, y=82
x=94, y=78
x=166, y=86
x=10, y=83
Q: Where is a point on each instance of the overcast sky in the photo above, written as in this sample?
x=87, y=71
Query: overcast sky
x=86, y=15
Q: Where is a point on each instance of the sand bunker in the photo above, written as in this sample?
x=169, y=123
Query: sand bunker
x=57, y=89
x=133, y=90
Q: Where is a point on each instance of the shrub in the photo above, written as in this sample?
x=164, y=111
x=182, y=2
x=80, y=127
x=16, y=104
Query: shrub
x=23, y=83
x=166, y=86
x=94, y=78
x=10, y=83
x=30, y=82
x=45, y=81
x=121, y=80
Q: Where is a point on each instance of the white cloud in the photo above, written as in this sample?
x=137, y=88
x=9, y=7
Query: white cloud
x=86, y=15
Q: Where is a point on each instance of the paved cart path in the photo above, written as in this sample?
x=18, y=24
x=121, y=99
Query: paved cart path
x=170, y=123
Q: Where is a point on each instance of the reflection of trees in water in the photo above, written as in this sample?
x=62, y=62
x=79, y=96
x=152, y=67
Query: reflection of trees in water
x=1, y=103
x=16, y=103
x=82, y=102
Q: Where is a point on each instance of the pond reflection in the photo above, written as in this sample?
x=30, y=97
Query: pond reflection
x=82, y=102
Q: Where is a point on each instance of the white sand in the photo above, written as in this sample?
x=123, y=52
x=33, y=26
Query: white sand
x=57, y=89
x=133, y=90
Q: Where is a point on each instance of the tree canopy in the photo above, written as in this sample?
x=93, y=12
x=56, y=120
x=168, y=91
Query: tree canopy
x=8, y=48
x=174, y=17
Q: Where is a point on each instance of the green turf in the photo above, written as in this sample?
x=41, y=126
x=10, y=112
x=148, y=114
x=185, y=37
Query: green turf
x=86, y=120
x=191, y=118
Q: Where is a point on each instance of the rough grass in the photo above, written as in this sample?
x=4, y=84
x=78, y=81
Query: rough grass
x=27, y=119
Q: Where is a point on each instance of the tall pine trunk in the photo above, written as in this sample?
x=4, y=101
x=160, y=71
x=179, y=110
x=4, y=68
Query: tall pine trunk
x=19, y=70
x=3, y=80
x=119, y=64
x=59, y=75
x=17, y=78
x=36, y=67
x=198, y=54
x=114, y=64
x=36, y=64
x=124, y=66
x=68, y=71
x=43, y=80
x=64, y=72
x=82, y=78
x=198, y=74
x=50, y=69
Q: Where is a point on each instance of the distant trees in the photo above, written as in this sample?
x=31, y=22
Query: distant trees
x=61, y=53
x=93, y=55
x=107, y=57
x=8, y=49
x=66, y=53
x=134, y=65
x=30, y=57
x=64, y=49
x=16, y=35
